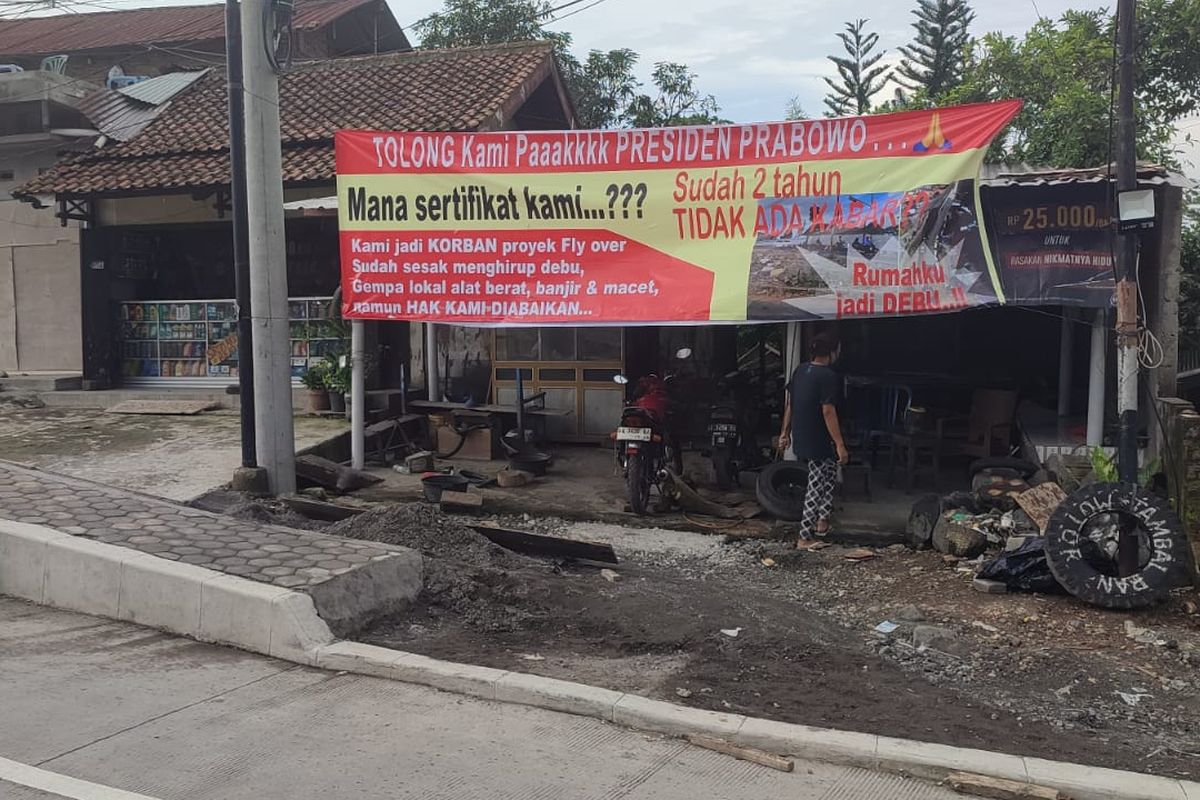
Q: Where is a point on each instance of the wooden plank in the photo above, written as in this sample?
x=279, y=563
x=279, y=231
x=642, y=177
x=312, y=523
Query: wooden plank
x=1000, y=789
x=742, y=753
x=1040, y=502
x=316, y=509
x=539, y=544
x=331, y=475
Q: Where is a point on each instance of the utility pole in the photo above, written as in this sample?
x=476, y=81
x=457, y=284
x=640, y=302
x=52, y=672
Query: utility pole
x=241, y=240
x=268, y=262
x=1126, y=266
x=1126, y=283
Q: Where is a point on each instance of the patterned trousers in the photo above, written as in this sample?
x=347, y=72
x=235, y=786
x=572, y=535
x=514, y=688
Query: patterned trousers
x=818, y=497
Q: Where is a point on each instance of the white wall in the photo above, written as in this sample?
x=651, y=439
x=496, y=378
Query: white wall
x=40, y=328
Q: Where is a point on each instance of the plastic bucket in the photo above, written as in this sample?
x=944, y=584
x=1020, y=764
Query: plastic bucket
x=434, y=485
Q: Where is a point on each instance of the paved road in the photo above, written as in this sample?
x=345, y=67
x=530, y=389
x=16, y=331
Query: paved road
x=131, y=709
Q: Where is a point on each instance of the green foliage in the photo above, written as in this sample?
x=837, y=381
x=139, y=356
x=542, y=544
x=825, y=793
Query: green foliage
x=676, y=100
x=859, y=77
x=933, y=63
x=1189, y=262
x=1105, y=468
x=315, y=377
x=1063, y=70
x=794, y=109
x=337, y=373
x=605, y=90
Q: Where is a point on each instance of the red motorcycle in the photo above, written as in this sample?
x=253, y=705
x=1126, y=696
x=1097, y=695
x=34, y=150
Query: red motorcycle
x=644, y=442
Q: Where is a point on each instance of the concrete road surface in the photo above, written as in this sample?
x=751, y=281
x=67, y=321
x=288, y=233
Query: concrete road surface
x=101, y=708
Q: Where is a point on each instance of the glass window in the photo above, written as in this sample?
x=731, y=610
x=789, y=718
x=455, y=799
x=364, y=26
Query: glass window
x=600, y=344
x=517, y=344
x=558, y=344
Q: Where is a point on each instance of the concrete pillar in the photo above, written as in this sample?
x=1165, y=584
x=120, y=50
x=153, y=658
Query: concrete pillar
x=358, y=395
x=1066, y=350
x=1097, y=370
x=275, y=437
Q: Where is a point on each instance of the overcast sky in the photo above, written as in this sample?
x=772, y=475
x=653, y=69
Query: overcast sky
x=752, y=56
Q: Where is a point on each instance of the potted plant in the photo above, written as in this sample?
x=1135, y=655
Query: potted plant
x=315, y=380
x=337, y=380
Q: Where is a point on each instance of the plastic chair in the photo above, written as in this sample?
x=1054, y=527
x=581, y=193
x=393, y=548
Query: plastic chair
x=54, y=64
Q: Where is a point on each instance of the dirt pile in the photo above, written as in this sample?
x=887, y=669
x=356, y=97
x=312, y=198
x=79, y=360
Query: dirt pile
x=487, y=587
x=271, y=513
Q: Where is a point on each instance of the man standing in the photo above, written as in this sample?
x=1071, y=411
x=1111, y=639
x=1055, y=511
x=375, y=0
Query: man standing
x=810, y=424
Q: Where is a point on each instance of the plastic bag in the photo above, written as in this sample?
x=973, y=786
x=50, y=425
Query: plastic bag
x=1024, y=569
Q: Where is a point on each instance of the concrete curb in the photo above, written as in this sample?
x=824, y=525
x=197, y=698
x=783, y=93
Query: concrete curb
x=57, y=569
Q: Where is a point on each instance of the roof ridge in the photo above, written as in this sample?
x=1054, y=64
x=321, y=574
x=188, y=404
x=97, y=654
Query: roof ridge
x=84, y=15
x=426, y=54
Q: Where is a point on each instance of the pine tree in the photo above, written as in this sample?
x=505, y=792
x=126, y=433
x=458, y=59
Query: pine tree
x=933, y=63
x=858, y=76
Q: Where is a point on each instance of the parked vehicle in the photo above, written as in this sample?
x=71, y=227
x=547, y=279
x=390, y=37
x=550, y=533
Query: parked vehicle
x=645, y=445
x=732, y=423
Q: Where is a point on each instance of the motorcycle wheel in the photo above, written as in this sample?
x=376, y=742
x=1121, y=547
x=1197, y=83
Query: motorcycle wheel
x=725, y=470
x=638, y=479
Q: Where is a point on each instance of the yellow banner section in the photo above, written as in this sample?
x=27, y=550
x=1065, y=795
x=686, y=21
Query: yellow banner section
x=710, y=217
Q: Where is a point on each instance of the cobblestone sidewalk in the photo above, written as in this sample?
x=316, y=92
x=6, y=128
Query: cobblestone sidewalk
x=272, y=554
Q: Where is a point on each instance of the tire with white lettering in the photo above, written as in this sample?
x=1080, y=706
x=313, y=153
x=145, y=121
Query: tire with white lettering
x=1082, y=539
x=780, y=489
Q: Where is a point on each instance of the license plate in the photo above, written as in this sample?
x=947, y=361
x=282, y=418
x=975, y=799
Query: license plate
x=633, y=434
x=718, y=439
x=722, y=427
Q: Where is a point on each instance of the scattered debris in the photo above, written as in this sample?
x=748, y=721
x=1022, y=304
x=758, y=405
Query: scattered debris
x=954, y=534
x=859, y=554
x=609, y=575
x=750, y=754
x=732, y=633
x=682, y=692
x=512, y=478
x=1000, y=789
x=768, y=562
x=886, y=627
x=989, y=586
x=532, y=657
x=1023, y=569
x=331, y=475
x=1133, y=696
x=1040, y=502
x=910, y=613
x=461, y=502
x=415, y=464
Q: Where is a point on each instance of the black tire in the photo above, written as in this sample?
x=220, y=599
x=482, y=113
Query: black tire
x=637, y=478
x=1080, y=537
x=780, y=489
x=1025, y=469
x=723, y=466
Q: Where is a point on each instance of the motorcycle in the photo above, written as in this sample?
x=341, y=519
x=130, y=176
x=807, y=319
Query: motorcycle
x=644, y=442
x=732, y=424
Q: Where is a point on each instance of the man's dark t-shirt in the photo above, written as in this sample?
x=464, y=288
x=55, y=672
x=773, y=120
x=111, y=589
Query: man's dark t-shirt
x=812, y=386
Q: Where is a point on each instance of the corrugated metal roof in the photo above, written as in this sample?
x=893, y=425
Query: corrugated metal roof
x=1147, y=173
x=161, y=89
x=67, y=33
x=116, y=116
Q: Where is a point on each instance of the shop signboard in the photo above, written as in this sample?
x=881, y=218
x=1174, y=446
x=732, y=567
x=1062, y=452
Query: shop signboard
x=809, y=219
x=1053, y=244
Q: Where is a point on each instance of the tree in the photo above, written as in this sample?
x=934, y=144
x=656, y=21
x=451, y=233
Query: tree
x=1063, y=70
x=463, y=23
x=794, y=109
x=934, y=60
x=677, y=101
x=858, y=76
x=604, y=87
x=1189, y=280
